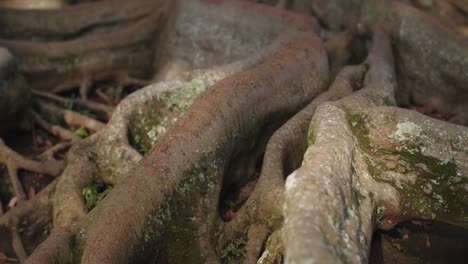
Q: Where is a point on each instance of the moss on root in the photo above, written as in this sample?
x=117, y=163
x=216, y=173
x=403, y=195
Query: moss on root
x=360, y=131
x=235, y=252
x=435, y=192
x=93, y=193
x=144, y=133
x=183, y=97
x=435, y=188
x=77, y=248
x=180, y=226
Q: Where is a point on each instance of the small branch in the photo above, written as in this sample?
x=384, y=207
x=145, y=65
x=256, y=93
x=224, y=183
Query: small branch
x=73, y=118
x=103, y=96
x=8, y=260
x=49, y=153
x=12, y=159
x=18, y=247
x=135, y=81
x=85, y=86
x=100, y=109
x=15, y=182
x=55, y=130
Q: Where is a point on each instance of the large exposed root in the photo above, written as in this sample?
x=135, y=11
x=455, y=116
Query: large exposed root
x=283, y=154
x=227, y=167
x=350, y=170
x=74, y=62
x=211, y=153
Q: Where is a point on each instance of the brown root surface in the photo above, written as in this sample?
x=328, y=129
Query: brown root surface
x=265, y=139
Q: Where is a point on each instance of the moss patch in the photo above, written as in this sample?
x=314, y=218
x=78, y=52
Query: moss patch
x=360, y=131
x=183, y=97
x=388, y=102
x=144, y=133
x=234, y=252
x=429, y=187
x=438, y=193
x=173, y=227
x=93, y=193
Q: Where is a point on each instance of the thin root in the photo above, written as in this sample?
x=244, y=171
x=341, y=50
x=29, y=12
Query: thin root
x=55, y=130
x=18, y=247
x=73, y=118
x=14, y=160
x=99, y=109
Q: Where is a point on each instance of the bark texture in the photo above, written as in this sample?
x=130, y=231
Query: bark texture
x=265, y=135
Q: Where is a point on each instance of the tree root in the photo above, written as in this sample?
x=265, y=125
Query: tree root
x=310, y=188
x=55, y=130
x=72, y=118
x=15, y=161
x=274, y=250
x=289, y=58
x=284, y=154
x=90, y=56
x=352, y=179
x=103, y=112
x=21, y=24
x=37, y=212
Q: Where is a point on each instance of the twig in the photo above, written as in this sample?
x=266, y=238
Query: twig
x=85, y=86
x=100, y=109
x=103, y=96
x=8, y=260
x=73, y=118
x=18, y=247
x=15, y=182
x=49, y=153
x=55, y=130
x=10, y=158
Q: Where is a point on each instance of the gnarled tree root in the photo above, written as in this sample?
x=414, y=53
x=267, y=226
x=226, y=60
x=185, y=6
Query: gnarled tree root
x=220, y=136
x=79, y=55
x=370, y=166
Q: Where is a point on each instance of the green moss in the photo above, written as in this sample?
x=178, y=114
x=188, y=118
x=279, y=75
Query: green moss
x=311, y=138
x=144, y=133
x=234, y=252
x=183, y=97
x=387, y=101
x=76, y=248
x=360, y=131
x=175, y=231
x=93, y=193
x=81, y=132
x=436, y=193
x=106, y=175
x=373, y=170
x=435, y=166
